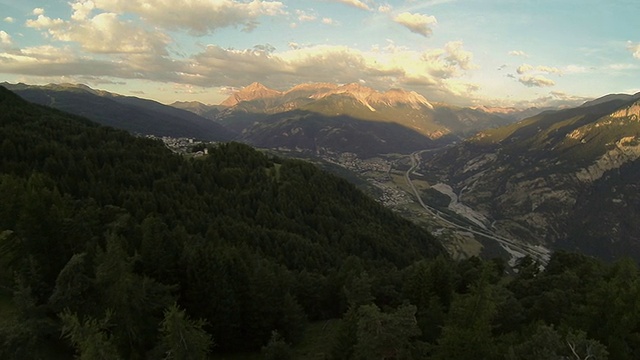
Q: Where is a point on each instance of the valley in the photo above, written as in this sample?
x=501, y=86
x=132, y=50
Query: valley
x=395, y=181
x=486, y=181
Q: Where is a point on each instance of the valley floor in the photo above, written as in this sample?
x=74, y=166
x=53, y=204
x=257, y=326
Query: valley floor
x=465, y=232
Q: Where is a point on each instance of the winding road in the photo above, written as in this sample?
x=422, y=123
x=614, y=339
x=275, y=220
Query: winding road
x=536, y=252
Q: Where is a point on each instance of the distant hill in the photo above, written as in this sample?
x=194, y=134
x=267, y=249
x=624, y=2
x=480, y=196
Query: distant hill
x=133, y=114
x=567, y=178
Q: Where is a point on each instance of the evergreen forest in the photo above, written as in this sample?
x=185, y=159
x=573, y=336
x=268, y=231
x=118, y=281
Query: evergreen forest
x=113, y=247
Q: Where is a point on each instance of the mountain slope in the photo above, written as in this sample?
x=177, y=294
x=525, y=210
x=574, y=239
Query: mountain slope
x=129, y=113
x=563, y=178
x=318, y=134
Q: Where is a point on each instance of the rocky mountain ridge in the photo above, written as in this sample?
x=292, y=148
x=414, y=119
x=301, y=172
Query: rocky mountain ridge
x=257, y=113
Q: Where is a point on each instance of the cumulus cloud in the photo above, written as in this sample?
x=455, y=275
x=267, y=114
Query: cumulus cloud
x=518, y=53
x=417, y=23
x=44, y=22
x=9, y=19
x=532, y=76
x=37, y=11
x=524, y=68
x=385, y=8
x=5, y=39
x=457, y=55
x=634, y=48
x=199, y=17
x=355, y=3
x=102, y=33
x=328, y=21
x=536, y=81
x=303, y=16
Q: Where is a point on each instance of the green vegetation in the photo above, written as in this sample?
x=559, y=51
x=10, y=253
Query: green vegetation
x=115, y=248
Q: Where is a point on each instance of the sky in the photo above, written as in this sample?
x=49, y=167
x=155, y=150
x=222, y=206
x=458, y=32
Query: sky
x=518, y=53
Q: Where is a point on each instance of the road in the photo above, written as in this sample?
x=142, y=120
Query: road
x=538, y=253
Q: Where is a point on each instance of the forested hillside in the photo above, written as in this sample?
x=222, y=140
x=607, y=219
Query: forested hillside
x=112, y=230
x=112, y=247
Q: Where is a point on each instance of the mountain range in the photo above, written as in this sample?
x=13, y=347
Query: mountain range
x=313, y=118
x=566, y=178
x=330, y=117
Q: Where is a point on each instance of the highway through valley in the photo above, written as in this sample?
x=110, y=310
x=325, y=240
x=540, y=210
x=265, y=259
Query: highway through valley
x=540, y=254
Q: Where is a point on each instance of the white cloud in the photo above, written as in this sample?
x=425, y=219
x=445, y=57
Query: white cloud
x=355, y=3
x=459, y=56
x=81, y=10
x=328, y=21
x=417, y=23
x=103, y=33
x=38, y=11
x=524, y=68
x=9, y=19
x=518, y=53
x=385, y=8
x=536, y=81
x=199, y=17
x=304, y=16
x=634, y=48
x=44, y=22
x=5, y=39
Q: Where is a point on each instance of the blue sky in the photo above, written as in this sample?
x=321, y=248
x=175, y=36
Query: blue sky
x=464, y=52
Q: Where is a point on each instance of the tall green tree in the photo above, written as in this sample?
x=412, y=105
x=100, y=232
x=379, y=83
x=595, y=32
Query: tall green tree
x=467, y=331
x=182, y=338
x=90, y=337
